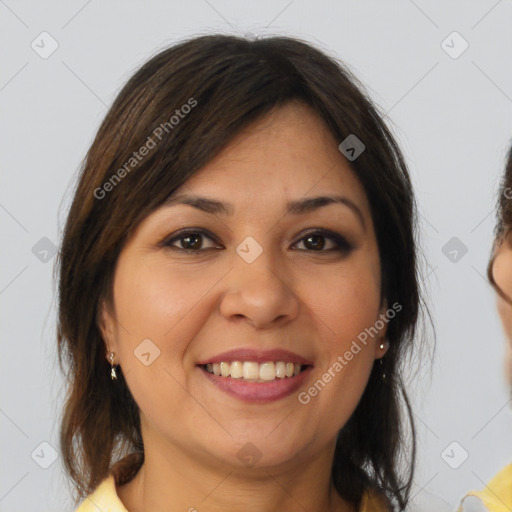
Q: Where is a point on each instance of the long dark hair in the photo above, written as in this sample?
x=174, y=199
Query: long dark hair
x=228, y=82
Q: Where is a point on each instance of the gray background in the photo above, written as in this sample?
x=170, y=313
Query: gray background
x=452, y=116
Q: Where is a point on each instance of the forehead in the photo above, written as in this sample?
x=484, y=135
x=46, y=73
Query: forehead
x=286, y=155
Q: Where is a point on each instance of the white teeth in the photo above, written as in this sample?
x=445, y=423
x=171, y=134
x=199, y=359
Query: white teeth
x=280, y=369
x=236, y=370
x=224, y=369
x=267, y=371
x=253, y=371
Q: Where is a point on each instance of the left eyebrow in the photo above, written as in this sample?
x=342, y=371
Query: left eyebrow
x=310, y=204
x=298, y=207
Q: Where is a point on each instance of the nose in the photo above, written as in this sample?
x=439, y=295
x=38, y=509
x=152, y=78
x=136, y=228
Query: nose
x=261, y=293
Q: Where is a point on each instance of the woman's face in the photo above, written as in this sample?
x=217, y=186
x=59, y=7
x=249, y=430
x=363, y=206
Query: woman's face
x=255, y=283
x=502, y=273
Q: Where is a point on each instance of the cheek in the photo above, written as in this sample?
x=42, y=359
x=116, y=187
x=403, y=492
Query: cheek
x=149, y=306
x=168, y=307
x=346, y=306
x=155, y=301
x=346, y=311
x=346, y=300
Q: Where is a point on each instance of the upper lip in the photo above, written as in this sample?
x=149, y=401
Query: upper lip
x=257, y=356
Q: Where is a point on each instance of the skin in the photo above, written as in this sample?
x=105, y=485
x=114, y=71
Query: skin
x=311, y=301
x=502, y=273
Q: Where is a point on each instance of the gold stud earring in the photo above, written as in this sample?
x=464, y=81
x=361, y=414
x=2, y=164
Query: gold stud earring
x=113, y=374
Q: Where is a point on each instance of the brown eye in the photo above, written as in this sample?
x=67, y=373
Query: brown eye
x=316, y=241
x=190, y=240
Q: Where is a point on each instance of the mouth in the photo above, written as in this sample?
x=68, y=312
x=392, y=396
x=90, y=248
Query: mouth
x=256, y=376
x=252, y=371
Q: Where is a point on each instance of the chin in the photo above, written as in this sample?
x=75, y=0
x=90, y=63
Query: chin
x=258, y=450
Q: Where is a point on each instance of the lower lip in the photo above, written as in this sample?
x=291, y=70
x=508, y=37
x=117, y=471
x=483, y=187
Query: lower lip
x=258, y=392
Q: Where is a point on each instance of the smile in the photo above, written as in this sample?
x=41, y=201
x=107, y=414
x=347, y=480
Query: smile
x=252, y=371
x=256, y=390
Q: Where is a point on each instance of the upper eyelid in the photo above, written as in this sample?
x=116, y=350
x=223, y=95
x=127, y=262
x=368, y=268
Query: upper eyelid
x=186, y=231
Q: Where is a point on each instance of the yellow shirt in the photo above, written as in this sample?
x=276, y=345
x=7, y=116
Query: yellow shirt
x=496, y=497
x=105, y=498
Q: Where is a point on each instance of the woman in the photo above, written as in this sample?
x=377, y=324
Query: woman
x=238, y=290
x=497, y=496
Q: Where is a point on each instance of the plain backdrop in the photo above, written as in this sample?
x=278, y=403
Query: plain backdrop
x=441, y=73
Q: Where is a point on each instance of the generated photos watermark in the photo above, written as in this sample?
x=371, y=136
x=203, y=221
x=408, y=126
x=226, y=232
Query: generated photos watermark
x=151, y=143
x=304, y=397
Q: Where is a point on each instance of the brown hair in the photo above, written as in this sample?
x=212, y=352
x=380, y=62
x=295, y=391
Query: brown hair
x=234, y=81
x=503, y=228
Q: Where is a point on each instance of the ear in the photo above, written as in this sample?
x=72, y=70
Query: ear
x=381, y=344
x=107, y=327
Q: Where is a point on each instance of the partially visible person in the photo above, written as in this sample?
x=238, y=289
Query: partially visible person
x=497, y=495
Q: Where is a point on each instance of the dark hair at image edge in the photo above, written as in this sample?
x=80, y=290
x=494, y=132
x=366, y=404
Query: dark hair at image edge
x=503, y=229
x=235, y=81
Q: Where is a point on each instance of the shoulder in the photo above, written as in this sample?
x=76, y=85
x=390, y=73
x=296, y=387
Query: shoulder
x=374, y=501
x=104, y=498
x=495, y=497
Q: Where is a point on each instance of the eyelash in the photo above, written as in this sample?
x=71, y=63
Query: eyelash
x=343, y=246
